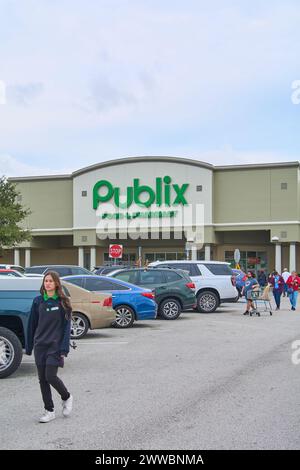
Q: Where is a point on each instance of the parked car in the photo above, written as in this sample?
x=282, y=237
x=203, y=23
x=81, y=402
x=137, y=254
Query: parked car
x=90, y=311
x=10, y=273
x=130, y=302
x=103, y=270
x=16, y=296
x=61, y=269
x=15, y=267
x=214, y=281
x=240, y=278
x=174, y=290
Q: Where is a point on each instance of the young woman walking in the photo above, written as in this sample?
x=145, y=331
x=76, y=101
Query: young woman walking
x=293, y=283
x=277, y=282
x=49, y=332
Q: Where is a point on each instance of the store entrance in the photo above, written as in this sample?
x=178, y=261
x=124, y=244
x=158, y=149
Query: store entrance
x=250, y=260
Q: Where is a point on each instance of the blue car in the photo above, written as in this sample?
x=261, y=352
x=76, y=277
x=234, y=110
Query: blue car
x=130, y=302
x=239, y=279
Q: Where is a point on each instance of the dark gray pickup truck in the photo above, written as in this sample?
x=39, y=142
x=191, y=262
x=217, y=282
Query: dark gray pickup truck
x=16, y=296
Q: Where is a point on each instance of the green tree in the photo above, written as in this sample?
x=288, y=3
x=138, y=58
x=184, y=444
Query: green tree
x=12, y=213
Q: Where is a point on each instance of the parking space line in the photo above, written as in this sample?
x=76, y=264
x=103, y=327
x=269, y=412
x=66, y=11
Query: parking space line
x=102, y=343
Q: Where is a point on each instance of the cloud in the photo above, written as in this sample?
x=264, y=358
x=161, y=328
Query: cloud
x=24, y=94
x=105, y=96
x=123, y=78
x=10, y=166
x=2, y=92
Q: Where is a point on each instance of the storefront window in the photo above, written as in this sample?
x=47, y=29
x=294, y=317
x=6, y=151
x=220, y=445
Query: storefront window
x=127, y=258
x=250, y=260
x=164, y=256
x=201, y=255
x=229, y=258
x=170, y=256
x=149, y=257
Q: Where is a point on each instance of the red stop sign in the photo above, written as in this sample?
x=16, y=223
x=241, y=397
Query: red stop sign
x=115, y=251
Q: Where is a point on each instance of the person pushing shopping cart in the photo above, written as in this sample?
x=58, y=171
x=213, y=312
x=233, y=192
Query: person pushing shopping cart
x=250, y=284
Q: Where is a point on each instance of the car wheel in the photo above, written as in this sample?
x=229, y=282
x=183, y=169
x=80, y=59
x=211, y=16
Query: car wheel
x=124, y=317
x=80, y=326
x=207, y=302
x=11, y=352
x=169, y=309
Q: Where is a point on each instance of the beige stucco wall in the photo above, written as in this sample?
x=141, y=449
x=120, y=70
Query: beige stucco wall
x=54, y=256
x=50, y=201
x=255, y=195
x=7, y=257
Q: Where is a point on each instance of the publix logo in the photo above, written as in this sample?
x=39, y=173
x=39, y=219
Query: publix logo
x=163, y=193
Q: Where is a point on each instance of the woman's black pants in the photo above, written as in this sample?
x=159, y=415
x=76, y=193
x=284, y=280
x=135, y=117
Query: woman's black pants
x=48, y=376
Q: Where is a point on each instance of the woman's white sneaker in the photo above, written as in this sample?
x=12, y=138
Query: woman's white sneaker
x=47, y=416
x=67, y=406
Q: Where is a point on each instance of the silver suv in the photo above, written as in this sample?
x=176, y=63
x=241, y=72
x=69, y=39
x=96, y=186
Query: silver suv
x=214, y=281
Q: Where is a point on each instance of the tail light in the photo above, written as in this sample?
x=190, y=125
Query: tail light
x=150, y=295
x=191, y=285
x=107, y=302
x=233, y=280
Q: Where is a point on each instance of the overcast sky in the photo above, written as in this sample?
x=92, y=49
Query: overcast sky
x=87, y=81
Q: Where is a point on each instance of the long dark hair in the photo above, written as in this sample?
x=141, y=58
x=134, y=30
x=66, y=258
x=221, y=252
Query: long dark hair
x=65, y=301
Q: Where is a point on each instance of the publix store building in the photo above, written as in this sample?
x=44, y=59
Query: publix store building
x=163, y=208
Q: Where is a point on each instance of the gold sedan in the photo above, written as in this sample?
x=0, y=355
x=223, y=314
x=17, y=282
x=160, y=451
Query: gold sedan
x=90, y=310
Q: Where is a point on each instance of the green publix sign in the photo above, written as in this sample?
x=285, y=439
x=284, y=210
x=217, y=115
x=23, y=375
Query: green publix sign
x=164, y=193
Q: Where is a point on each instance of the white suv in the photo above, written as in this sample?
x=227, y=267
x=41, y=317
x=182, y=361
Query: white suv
x=214, y=281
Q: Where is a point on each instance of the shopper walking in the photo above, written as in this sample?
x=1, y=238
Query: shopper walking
x=250, y=284
x=285, y=274
x=49, y=332
x=293, y=283
x=262, y=278
x=277, y=282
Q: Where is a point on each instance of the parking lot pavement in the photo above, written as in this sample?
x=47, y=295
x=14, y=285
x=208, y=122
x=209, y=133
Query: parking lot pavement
x=203, y=381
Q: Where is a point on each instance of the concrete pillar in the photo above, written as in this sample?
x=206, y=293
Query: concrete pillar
x=93, y=257
x=292, y=266
x=27, y=258
x=17, y=256
x=80, y=256
x=207, y=252
x=194, y=253
x=278, y=257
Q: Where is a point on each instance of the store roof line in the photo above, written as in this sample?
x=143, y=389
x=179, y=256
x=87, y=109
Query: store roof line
x=166, y=159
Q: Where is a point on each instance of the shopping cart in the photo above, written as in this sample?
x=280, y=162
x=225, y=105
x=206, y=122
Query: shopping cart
x=261, y=300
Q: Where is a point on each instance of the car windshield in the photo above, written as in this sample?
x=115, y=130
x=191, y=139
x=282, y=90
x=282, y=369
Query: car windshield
x=35, y=270
x=18, y=268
